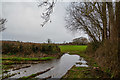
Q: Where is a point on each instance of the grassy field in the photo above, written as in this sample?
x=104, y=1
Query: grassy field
x=72, y=48
x=93, y=71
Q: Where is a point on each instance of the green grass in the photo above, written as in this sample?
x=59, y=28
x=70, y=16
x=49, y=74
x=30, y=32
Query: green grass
x=82, y=72
x=72, y=48
x=8, y=62
x=21, y=59
x=6, y=67
x=28, y=59
x=47, y=58
x=8, y=75
x=78, y=72
x=33, y=75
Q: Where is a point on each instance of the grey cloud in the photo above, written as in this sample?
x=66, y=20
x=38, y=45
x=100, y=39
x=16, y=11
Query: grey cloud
x=24, y=23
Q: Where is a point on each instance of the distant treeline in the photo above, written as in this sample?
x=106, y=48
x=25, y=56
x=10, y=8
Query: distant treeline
x=73, y=43
x=13, y=47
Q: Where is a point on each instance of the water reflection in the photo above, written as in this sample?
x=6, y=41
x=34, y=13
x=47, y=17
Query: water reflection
x=60, y=67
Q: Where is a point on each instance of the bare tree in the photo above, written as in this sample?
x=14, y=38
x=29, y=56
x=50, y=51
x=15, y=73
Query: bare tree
x=49, y=41
x=118, y=31
x=81, y=40
x=49, y=5
x=86, y=16
x=101, y=21
x=94, y=18
x=2, y=24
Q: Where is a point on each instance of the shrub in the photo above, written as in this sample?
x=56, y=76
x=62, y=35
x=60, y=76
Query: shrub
x=50, y=48
x=93, y=46
x=28, y=48
x=106, y=55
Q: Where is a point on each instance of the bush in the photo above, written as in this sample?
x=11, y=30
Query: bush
x=9, y=47
x=93, y=46
x=50, y=48
x=106, y=55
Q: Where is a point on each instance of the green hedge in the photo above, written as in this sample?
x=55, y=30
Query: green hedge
x=13, y=47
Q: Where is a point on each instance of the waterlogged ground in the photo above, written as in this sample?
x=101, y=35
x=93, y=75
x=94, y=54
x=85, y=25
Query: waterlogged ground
x=55, y=68
x=69, y=66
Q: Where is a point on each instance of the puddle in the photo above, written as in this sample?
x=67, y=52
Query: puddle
x=60, y=67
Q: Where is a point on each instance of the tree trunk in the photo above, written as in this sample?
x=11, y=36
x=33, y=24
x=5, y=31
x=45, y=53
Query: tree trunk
x=118, y=33
x=111, y=20
x=104, y=19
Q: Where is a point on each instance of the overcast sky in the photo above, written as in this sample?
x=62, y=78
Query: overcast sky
x=24, y=19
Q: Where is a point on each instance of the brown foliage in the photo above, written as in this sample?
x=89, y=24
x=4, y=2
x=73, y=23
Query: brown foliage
x=106, y=55
x=15, y=47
